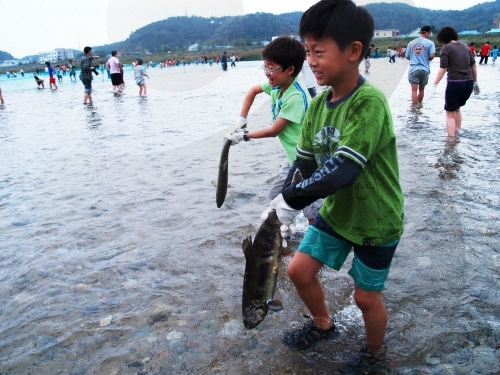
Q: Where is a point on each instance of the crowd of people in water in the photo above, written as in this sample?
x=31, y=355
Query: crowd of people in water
x=57, y=73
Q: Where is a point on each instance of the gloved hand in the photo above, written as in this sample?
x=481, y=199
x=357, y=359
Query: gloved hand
x=476, y=89
x=285, y=213
x=241, y=123
x=235, y=137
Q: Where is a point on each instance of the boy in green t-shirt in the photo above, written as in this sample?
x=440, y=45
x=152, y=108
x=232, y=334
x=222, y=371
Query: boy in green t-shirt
x=347, y=154
x=283, y=60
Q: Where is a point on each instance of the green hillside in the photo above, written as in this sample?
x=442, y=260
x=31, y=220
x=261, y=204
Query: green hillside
x=177, y=33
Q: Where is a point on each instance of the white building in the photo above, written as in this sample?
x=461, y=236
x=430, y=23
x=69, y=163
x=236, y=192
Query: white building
x=65, y=54
x=389, y=33
x=55, y=55
x=8, y=63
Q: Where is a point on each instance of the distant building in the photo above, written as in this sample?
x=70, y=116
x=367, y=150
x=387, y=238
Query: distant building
x=16, y=62
x=65, y=54
x=389, y=33
x=493, y=31
x=496, y=23
x=469, y=32
x=8, y=63
x=55, y=55
x=193, y=47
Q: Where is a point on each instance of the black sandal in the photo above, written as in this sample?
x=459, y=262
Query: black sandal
x=309, y=335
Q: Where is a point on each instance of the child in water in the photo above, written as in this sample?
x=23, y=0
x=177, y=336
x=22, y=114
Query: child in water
x=39, y=82
x=140, y=73
x=347, y=154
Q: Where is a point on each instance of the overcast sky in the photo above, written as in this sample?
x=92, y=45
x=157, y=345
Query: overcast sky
x=33, y=26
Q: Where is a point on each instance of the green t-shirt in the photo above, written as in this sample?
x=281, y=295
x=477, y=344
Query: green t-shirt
x=358, y=127
x=291, y=106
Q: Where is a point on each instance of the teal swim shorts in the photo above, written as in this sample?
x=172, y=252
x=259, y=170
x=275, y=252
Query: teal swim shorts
x=370, y=266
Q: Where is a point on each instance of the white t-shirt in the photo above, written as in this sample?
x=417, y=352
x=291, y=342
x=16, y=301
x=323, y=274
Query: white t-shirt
x=113, y=65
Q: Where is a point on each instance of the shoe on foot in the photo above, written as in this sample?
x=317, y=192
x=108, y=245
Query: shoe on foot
x=365, y=362
x=309, y=335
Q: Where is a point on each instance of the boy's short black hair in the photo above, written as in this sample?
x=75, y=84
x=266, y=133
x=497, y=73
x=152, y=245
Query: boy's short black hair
x=87, y=49
x=340, y=20
x=286, y=51
x=446, y=35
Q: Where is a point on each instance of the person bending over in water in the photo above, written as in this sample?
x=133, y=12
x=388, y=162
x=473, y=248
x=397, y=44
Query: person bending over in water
x=39, y=82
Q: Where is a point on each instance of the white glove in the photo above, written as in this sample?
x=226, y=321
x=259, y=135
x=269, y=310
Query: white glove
x=241, y=123
x=285, y=213
x=235, y=137
x=476, y=89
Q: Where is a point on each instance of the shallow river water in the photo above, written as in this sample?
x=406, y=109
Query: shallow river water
x=114, y=258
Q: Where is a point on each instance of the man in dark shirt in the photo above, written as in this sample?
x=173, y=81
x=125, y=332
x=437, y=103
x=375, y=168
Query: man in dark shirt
x=86, y=74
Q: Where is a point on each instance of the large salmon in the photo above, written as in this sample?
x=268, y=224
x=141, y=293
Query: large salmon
x=261, y=271
x=221, y=184
x=263, y=258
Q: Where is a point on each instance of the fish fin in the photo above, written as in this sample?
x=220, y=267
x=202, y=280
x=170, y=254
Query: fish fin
x=214, y=183
x=224, y=167
x=274, y=305
x=247, y=245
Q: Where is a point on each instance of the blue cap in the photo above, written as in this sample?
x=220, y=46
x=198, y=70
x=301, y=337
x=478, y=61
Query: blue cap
x=140, y=60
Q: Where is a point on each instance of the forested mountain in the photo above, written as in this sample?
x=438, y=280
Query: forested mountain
x=5, y=56
x=407, y=18
x=176, y=33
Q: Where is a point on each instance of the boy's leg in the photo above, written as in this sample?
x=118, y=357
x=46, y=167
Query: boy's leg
x=420, y=96
x=414, y=93
x=302, y=270
x=374, y=316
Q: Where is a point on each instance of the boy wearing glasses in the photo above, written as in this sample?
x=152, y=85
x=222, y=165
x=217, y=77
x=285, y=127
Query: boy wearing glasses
x=283, y=60
x=347, y=155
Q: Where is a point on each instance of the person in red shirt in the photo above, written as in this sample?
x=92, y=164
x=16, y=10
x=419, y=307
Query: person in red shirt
x=485, y=51
x=473, y=48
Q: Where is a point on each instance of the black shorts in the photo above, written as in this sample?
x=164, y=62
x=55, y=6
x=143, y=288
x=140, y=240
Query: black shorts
x=116, y=79
x=456, y=95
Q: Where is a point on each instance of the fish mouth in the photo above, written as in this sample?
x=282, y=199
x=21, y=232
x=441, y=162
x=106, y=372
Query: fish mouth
x=253, y=316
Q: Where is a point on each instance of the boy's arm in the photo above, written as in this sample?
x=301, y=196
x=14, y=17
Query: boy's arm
x=277, y=127
x=249, y=98
x=337, y=173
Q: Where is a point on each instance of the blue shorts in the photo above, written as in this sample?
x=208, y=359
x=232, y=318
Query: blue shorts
x=370, y=266
x=456, y=95
x=87, y=84
x=418, y=77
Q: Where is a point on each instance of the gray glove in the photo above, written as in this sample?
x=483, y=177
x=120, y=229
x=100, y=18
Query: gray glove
x=241, y=123
x=236, y=137
x=286, y=215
